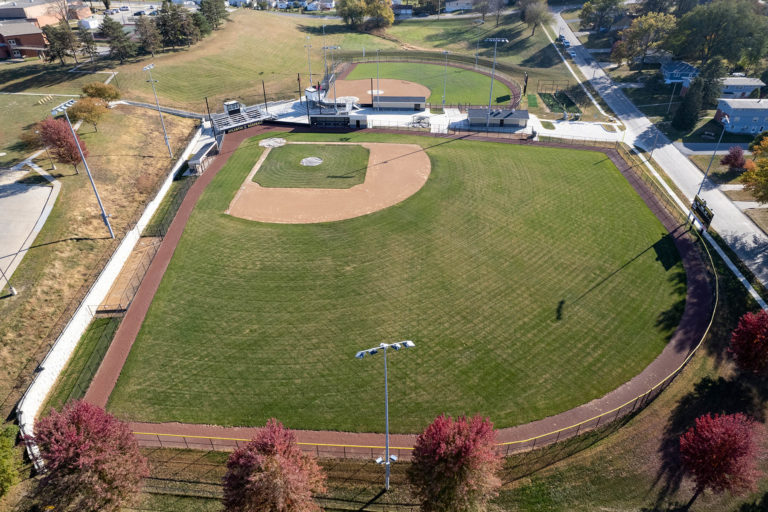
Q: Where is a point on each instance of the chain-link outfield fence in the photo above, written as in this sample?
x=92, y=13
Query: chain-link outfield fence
x=636, y=170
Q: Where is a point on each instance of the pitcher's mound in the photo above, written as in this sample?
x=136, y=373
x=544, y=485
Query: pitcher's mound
x=395, y=172
x=311, y=161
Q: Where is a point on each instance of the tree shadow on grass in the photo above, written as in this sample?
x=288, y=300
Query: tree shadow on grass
x=760, y=505
x=714, y=396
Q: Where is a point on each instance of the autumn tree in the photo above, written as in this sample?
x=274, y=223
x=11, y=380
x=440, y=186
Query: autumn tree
x=92, y=459
x=749, y=343
x=646, y=33
x=756, y=180
x=9, y=459
x=351, y=11
x=380, y=12
x=270, y=473
x=757, y=144
x=106, y=92
x=535, y=14
x=88, y=110
x=649, y=6
x=734, y=159
x=719, y=453
x=57, y=135
x=600, y=13
x=455, y=464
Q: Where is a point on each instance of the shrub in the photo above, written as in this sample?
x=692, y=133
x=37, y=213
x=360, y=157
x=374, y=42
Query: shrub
x=106, y=92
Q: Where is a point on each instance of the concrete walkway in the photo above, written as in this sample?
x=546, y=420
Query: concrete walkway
x=23, y=212
x=748, y=241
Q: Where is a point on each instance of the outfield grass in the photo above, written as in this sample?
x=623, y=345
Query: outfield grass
x=342, y=167
x=462, y=86
x=528, y=286
x=222, y=65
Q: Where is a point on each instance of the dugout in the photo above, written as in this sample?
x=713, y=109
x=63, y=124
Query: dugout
x=498, y=117
x=416, y=103
x=329, y=121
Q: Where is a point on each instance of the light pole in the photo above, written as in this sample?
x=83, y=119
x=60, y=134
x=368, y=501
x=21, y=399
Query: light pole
x=63, y=108
x=674, y=84
x=477, y=52
x=53, y=166
x=10, y=288
x=378, y=90
x=325, y=66
x=372, y=351
x=148, y=68
x=495, y=41
x=309, y=62
x=332, y=48
x=445, y=76
x=726, y=121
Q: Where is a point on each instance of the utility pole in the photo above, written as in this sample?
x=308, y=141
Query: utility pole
x=149, y=68
x=495, y=41
x=309, y=62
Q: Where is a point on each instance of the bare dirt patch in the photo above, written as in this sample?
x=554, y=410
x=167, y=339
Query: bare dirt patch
x=395, y=172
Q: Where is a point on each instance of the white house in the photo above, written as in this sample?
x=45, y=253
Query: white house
x=89, y=23
x=282, y=4
x=745, y=115
x=739, y=86
x=327, y=5
x=458, y=5
x=313, y=6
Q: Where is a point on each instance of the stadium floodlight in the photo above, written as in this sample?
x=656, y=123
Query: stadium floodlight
x=445, y=77
x=387, y=459
x=309, y=62
x=332, y=48
x=63, y=109
x=148, y=68
x=495, y=41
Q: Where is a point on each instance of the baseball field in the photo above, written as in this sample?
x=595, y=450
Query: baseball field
x=531, y=280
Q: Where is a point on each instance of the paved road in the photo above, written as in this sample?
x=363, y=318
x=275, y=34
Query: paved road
x=741, y=234
x=706, y=148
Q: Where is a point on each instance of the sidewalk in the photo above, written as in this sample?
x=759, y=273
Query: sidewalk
x=748, y=241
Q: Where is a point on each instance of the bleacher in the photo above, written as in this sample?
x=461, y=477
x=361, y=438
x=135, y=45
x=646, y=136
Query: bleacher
x=239, y=117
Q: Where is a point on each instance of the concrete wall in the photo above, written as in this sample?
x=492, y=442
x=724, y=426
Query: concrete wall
x=56, y=359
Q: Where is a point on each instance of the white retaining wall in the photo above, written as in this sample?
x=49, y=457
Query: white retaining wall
x=48, y=372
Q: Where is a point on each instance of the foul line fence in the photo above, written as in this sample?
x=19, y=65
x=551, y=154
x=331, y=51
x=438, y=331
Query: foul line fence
x=637, y=403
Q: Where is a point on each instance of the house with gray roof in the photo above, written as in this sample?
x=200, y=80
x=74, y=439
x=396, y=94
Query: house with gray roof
x=745, y=115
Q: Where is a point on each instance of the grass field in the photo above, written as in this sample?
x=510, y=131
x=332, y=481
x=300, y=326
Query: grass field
x=18, y=112
x=528, y=288
x=342, y=167
x=462, y=86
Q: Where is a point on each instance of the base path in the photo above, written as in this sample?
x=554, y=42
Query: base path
x=361, y=89
x=693, y=326
x=395, y=172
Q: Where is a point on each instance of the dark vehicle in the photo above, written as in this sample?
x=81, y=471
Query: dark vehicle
x=152, y=13
x=139, y=13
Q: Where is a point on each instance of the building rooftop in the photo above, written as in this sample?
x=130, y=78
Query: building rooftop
x=746, y=103
x=742, y=80
x=499, y=113
x=10, y=28
x=18, y=4
x=410, y=99
x=678, y=67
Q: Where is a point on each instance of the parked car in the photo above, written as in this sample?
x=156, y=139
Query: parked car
x=572, y=53
x=139, y=13
x=124, y=8
x=566, y=43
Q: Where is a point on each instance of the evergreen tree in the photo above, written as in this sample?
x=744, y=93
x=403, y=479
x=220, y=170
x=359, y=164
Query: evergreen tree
x=56, y=47
x=687, y=114
x=215, y=11
x=120, y=45
x=710, y=76
x=87, y=43
x=149, y=36
x=201, y=22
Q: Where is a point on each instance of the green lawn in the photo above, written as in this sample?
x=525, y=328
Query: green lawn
x=462, y=86
x=531, y=280
x=342, y=167
x=18, y=112
x=77, y=375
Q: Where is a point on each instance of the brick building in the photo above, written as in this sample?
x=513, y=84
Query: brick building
x=41, y=12
x=20, y=39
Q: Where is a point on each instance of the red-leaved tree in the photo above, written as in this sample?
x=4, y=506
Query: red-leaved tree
x=56, y=134
x=734, y=159
x=749, y=343
x=92, y=459
x=719, y=452
x=455, y=464
x=270, y=473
